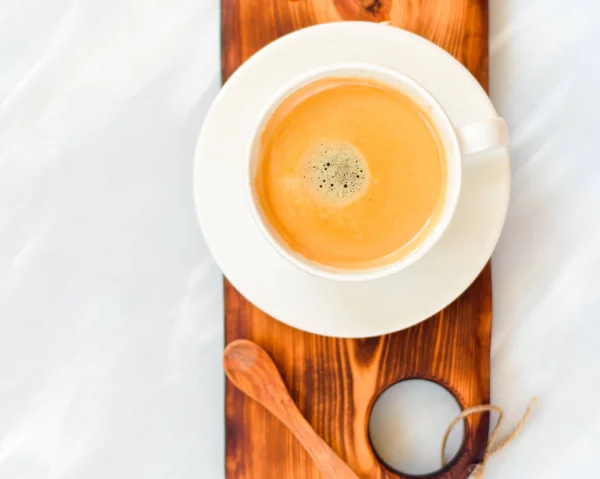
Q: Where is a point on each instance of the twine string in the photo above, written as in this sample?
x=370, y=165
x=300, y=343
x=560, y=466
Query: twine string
x=491, y=449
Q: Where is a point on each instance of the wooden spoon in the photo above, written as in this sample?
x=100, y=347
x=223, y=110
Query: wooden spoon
x=252, y=370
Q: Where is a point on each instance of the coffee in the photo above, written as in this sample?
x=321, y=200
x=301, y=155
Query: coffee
x=351, y=173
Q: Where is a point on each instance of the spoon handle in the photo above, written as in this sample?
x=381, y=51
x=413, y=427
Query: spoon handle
x=328, y=462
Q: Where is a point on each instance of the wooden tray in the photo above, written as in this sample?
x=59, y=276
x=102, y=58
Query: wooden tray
x=335, y=382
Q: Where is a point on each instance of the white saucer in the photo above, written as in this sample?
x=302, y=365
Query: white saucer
x=298, y=298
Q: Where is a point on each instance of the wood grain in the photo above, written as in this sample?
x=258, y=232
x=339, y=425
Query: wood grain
x=335, y=382
x=250, y=368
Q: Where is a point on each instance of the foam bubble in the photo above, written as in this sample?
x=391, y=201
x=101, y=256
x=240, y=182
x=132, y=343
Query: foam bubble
x=335, y=171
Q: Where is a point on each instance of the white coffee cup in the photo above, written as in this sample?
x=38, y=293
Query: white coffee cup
x=473, y=138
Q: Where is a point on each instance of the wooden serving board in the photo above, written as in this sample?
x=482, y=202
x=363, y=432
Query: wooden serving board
x=335, y=382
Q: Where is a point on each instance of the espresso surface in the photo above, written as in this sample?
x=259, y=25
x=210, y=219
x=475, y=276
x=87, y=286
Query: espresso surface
x=335, y=172
x=351, y=173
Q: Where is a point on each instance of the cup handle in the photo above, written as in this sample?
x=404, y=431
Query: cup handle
x=482, y=135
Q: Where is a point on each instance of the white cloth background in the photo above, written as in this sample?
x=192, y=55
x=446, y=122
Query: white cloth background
x=111, y=307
